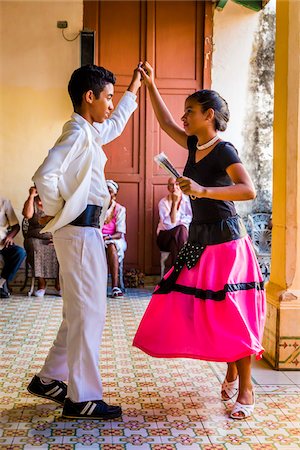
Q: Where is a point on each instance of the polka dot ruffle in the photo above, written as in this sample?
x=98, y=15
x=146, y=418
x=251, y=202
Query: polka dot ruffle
x=189, y=255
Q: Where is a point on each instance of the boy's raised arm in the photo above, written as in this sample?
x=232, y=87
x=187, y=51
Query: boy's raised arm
x=111, y=128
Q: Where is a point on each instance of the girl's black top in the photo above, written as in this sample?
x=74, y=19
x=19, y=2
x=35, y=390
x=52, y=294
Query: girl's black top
x=214, y=221
x=211, y=172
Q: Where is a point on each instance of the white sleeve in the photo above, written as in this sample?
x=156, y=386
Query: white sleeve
x=46, y=178
x=164, y=214
x=111, y=128
x=121, y=220
x=10, y=214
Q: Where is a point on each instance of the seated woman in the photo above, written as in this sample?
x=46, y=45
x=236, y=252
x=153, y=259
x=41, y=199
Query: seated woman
x=39, y=246
x=114, y=230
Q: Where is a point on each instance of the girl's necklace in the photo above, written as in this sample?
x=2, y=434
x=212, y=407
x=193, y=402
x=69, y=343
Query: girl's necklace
x=208, y=144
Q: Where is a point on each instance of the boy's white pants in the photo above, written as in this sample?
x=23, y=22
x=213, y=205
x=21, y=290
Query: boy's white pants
x=74, y=355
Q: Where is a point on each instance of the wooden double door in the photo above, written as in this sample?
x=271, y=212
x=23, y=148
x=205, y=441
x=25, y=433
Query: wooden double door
x=175, y=37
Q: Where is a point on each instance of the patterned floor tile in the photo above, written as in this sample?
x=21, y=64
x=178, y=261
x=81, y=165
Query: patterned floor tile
x=167, y=404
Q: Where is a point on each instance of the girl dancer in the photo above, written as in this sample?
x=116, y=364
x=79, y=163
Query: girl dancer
x=211, y=304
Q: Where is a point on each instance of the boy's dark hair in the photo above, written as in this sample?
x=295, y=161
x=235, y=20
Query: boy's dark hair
x=88, y=78
x=211, y=99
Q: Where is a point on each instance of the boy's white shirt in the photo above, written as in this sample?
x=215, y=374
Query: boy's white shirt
x=64, y=179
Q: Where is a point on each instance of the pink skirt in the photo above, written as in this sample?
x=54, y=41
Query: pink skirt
x=215, y=311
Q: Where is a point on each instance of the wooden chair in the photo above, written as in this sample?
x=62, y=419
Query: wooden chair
x=121, y=275
x=163, y=258
x=261, y=235
x=25, y=225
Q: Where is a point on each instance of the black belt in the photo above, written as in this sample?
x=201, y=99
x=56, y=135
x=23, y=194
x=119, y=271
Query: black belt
x=89, y=217
x=223, y=230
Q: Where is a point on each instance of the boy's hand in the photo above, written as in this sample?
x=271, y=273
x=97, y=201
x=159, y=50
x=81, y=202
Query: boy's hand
x=136, y=81
x=147, y=72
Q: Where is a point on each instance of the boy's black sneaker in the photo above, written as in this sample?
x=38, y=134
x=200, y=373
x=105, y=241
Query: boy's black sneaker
x=56, y=390
x=94, y=409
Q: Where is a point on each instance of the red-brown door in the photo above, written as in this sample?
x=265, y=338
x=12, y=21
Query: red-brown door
x=176, y=38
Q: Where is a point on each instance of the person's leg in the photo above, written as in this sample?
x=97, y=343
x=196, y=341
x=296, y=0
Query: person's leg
x=232, y=371
x=48, y=383
x=55, y=366
x=41, y=283
x=179, y=237
x=245, y=395
x=4, y=292
x=113, y=264
x=57, y=285
x=13, y=257
x=230, y=384
x=83, y=267
x=164, y=240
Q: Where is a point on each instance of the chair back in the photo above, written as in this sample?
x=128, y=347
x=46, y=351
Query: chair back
x=25, y=226
x=260, y=232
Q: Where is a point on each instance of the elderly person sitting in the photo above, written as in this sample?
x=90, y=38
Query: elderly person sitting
x=114, y=230
x=12, y=254
x=175, y=215
x=39, y=246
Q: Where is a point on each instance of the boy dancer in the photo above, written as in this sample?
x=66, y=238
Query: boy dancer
x=73, y=190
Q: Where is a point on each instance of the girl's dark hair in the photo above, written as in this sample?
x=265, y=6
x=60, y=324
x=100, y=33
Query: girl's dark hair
x=211, y=99
x=86, y=78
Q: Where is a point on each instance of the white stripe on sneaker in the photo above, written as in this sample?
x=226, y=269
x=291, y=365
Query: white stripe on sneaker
x=92, y=409
x=84, y=410
x=54, y=392
x=57, y=392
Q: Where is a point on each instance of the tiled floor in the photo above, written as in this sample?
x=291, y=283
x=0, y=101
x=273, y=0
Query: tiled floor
x=167, y=404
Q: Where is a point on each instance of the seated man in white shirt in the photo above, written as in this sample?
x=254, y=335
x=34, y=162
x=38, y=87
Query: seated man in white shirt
x=73, y=190
x=175, y=215
x=12, y=254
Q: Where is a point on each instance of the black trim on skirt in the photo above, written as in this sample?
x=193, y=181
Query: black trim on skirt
x=217, y=295
x=201, y=235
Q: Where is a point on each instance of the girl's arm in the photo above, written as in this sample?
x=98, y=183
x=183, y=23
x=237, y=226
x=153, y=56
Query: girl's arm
x=161, y=111
x=242, y=189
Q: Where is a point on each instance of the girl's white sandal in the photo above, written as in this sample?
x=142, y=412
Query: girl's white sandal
x=230, y=388
x=246, y=410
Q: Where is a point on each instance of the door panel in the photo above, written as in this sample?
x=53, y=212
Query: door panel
x=164, y=143
x=120, y=23
x=123, y=152
x=175, y=37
